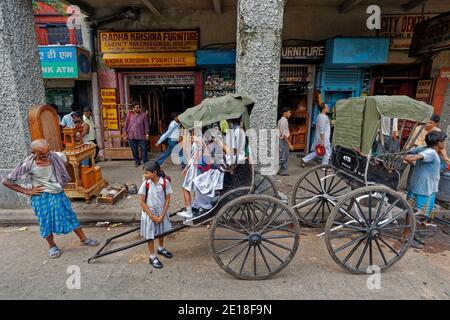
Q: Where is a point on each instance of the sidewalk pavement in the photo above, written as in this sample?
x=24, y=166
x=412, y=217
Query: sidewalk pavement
x=127, y=210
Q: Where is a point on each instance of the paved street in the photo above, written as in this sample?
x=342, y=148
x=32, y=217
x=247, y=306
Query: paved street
x=26, y=273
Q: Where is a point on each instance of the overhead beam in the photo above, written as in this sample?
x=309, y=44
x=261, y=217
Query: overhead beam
x=217, y=4
x=413, y=4
x=348, y=5
x=152, y=6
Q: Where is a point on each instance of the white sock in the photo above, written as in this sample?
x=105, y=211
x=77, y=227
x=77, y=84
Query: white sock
x=188, y=209
x=160, y=248
x=152, y=256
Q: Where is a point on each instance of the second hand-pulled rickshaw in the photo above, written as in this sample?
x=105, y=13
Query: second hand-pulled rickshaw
x=367, y=222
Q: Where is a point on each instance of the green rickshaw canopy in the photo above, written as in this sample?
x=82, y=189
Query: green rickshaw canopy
x=358, y=119
x=212, y=110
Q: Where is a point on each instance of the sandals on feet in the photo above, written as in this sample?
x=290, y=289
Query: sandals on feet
x=90, y=242
x=54, y=252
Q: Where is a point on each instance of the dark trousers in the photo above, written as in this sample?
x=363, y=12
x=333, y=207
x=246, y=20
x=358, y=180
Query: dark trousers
x=135, y=144
x=284, y=156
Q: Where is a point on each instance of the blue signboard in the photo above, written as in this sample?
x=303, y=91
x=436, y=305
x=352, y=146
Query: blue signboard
x=356, y=51
x=59, y=61
x=216, y=57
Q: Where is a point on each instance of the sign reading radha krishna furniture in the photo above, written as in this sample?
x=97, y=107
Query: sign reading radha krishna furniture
x=150, y=49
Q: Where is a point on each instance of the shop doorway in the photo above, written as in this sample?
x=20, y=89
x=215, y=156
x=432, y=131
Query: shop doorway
x=159, y=102
x=295, y=97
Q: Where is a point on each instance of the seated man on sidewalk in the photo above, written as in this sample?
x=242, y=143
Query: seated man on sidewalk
x=48, y=176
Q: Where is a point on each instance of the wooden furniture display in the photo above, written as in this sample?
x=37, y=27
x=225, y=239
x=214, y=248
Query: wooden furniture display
x=298, y=128
x=43, y=122
x=84, y=184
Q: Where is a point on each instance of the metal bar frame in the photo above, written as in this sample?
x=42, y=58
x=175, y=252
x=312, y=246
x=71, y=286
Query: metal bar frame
x=100, y=252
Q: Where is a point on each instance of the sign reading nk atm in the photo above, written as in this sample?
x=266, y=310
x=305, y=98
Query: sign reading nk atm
x=150, y=60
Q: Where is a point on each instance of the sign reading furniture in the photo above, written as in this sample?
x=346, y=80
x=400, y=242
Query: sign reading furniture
x=150, y=60
x=148, y=41
x=303, y=50
x=149, y=49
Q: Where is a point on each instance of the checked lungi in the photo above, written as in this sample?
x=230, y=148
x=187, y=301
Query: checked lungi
x=54, y=213
x=425, y=204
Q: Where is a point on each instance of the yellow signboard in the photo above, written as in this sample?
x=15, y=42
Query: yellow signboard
x=108, y=96
x=109, y=109
x=148, y=41
x=150, y=60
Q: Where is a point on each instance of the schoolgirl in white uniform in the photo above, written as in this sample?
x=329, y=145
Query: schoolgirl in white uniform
x=155, y=194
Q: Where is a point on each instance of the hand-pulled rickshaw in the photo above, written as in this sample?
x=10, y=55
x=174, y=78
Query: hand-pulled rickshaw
x=367, y=222
x=254, y=235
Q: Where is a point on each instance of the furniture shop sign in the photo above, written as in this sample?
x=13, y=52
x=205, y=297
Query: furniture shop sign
x=109, y=109
x=305, y=50
x=431, y=36
x=58, y=62
x=148, y=41
x=150, y=60
x=400, y=28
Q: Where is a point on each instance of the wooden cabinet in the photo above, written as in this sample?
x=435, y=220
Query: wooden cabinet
x=43, y=122
x=298, y=128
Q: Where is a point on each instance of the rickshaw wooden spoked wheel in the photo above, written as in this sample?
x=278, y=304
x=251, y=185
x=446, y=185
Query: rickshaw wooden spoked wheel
x=254, y=237
x=264, y=185
x=376, y=232
x=315, y=194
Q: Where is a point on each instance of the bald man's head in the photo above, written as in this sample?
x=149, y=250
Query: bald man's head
x=41, y=149
x=39, y=144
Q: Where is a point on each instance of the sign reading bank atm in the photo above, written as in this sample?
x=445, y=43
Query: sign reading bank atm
x=64, y=62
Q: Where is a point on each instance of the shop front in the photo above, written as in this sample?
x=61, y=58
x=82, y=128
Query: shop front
x=347, y=70
x=218, y=72
x=299, y=61
x=67, y=76
x=154, y=68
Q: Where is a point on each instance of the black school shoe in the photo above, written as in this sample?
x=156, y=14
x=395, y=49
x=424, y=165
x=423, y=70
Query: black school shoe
x=165, y=253
x=155, y=263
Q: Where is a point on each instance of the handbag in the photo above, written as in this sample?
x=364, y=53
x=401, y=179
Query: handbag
x=320, y=150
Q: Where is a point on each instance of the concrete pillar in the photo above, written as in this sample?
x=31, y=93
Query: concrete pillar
x=259, y=27
x=21, y=86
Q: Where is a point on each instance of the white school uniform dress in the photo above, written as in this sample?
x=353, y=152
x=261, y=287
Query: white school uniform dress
x=192, y=170
x=235, y=139
x=155, y=202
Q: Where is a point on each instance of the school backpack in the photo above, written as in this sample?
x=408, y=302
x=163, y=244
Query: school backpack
x=165, y=179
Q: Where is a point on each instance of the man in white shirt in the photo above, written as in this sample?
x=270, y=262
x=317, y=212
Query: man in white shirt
x=172, y=135
x=285, y=145
x=389, y=135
